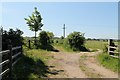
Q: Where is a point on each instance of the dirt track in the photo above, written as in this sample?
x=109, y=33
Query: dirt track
x=72, y=65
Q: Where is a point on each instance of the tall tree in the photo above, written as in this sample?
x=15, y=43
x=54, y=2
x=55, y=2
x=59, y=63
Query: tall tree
x=34, y=22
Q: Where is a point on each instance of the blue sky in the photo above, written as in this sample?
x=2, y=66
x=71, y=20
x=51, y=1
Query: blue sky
x=95, y=19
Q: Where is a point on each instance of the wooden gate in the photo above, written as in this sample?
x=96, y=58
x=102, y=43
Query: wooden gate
x=111, y=49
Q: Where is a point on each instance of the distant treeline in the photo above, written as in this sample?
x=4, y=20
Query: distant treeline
x=100, y=39
x=86, y=39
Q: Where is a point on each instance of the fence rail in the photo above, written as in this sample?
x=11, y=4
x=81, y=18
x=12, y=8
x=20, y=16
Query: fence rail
x=111, y=49
x=13, y=58
x=5, y=52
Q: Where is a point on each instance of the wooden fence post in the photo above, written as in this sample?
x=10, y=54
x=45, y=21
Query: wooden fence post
x=10, y=61
x=21, y=49
x=108, y=46
x=1, y=31
x=29, y=44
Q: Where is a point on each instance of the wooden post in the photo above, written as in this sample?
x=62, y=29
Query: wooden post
x=1, y=31
x=21, y=49
x=110, y=42
x=10, y=60
x=29, y=44
x=108, y=46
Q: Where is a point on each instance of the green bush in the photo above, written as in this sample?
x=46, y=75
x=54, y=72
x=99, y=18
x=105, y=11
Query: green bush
x=56, y=41
x=13, y=36
x=76, y=41
x=44, y=40
x=51, y=36
x=61, y=37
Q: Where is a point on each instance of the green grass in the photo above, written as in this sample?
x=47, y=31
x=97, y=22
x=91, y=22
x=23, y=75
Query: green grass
x=33, y=64
x=66, y=48
x=63, y=47
x=95, y=45
x=103, y=58
x=108, y=62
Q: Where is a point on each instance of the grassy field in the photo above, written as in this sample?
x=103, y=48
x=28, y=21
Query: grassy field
x=32, y=64
x=95, y=45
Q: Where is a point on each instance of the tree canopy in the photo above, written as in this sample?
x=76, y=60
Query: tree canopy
x=34, y=21
x=12, y=35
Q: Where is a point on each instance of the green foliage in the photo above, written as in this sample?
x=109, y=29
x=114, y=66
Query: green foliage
x=56, y=41
x=45, y=40
x=76, y=40
x=65, y=45
x=61, y=41
x=105, y=48
x=26, y=42
x=61, y=37
x=34, y=22
x=51, y=36
x=12, y=35
x=108, y=62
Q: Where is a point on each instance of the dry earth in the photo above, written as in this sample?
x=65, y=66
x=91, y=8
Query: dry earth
x=78, y=65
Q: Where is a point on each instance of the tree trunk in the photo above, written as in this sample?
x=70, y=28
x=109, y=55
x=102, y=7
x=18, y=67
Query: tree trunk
x=35, y=38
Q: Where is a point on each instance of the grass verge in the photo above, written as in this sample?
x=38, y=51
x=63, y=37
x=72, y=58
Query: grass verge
x=33, y=64
x=108, y=62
